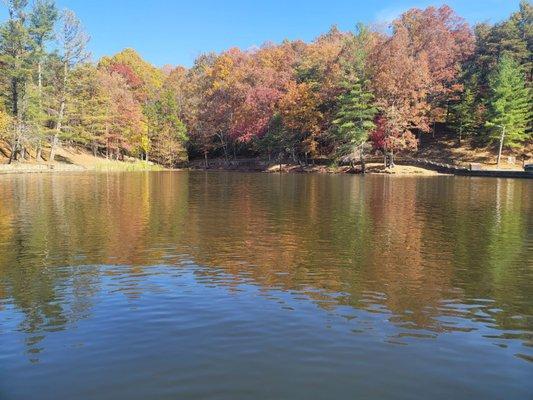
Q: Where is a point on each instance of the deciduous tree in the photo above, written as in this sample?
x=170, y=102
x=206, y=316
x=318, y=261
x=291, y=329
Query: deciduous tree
x=401, y=81
x=73, y=41
x=301, y=118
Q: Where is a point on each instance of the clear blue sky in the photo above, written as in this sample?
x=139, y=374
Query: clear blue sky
x=175, y=32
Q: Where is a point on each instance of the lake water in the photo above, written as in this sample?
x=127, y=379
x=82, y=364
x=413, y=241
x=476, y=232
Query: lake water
x=178, y=285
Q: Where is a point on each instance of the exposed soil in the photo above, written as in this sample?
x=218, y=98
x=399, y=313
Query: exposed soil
x=442, y=149
x=371, y=168
x=445, y=149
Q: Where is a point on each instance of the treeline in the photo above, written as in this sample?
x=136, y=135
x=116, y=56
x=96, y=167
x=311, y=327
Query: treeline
x=291, y=100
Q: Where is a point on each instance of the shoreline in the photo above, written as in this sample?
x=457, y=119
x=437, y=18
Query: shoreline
x=8, y=169
x=372, y=169
x=11, y=169
x=402, y=169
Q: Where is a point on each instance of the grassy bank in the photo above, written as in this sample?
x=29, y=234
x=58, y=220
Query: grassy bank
x=127, y=166
x=77, y=160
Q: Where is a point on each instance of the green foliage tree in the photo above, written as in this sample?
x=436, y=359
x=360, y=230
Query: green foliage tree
x=509, y=103
x=41, y=30
x=513, y=37
x=168, y=144
x=355, y=118
x=463, y=114
x=273, y=142
x=73, y=42
x=88, y=109
x=15, y=54
x=15, y=65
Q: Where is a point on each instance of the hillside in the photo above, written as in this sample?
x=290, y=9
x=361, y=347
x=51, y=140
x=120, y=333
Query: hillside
x=445, y=148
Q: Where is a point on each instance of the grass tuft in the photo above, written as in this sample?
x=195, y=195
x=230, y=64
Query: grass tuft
x=111, y=165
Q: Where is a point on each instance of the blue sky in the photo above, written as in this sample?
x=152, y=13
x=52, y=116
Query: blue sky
x=175, y=32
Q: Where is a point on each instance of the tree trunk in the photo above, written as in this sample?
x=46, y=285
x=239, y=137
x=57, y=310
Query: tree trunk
x=502, y=138
x=107, y=137
x=362, y=156
x=38, y=155
x=14, y=150
x=224, y=147
x=55, y=138
x=53, y=145
x=40, y=76
x=61, y=113
x=15, y=109
x=15, y=96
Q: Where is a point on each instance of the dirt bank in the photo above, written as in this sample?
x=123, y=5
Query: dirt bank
x=371, y=168
x=257, y=165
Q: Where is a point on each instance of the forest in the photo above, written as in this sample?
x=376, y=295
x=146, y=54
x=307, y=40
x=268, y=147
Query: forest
x=375, y=89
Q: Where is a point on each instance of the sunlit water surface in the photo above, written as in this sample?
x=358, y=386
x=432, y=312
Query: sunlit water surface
x=179, y=285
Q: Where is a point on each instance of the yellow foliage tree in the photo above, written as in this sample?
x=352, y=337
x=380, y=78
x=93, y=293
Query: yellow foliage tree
x=301, y=116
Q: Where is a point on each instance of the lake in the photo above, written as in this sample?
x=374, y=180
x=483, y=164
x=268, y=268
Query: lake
x=188, y=285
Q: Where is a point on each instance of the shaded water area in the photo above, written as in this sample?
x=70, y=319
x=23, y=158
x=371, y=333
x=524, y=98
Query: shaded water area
x=219, y=285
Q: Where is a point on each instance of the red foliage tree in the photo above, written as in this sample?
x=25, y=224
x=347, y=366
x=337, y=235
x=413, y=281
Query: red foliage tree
x=401, y=82
x=132, y=80
x=252, y=118
x=388, y=139
x=446, y=41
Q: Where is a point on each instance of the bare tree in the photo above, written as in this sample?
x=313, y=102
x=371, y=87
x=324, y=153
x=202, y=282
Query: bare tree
x=42, y=20
x=73, y=43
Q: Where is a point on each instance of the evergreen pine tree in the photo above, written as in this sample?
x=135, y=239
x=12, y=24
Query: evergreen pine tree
x=355, y=118
x=41, y=29
x=463, y=114
x=509, y=103
x=16, y=62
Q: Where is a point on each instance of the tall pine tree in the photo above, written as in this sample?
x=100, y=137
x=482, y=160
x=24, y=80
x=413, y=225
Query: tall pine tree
x=463, y=114
x=509, y=103
x=355, y=118
x=15, y=66
x=41, y=29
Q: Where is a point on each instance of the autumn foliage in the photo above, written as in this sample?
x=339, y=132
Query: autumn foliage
x=293, y=100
